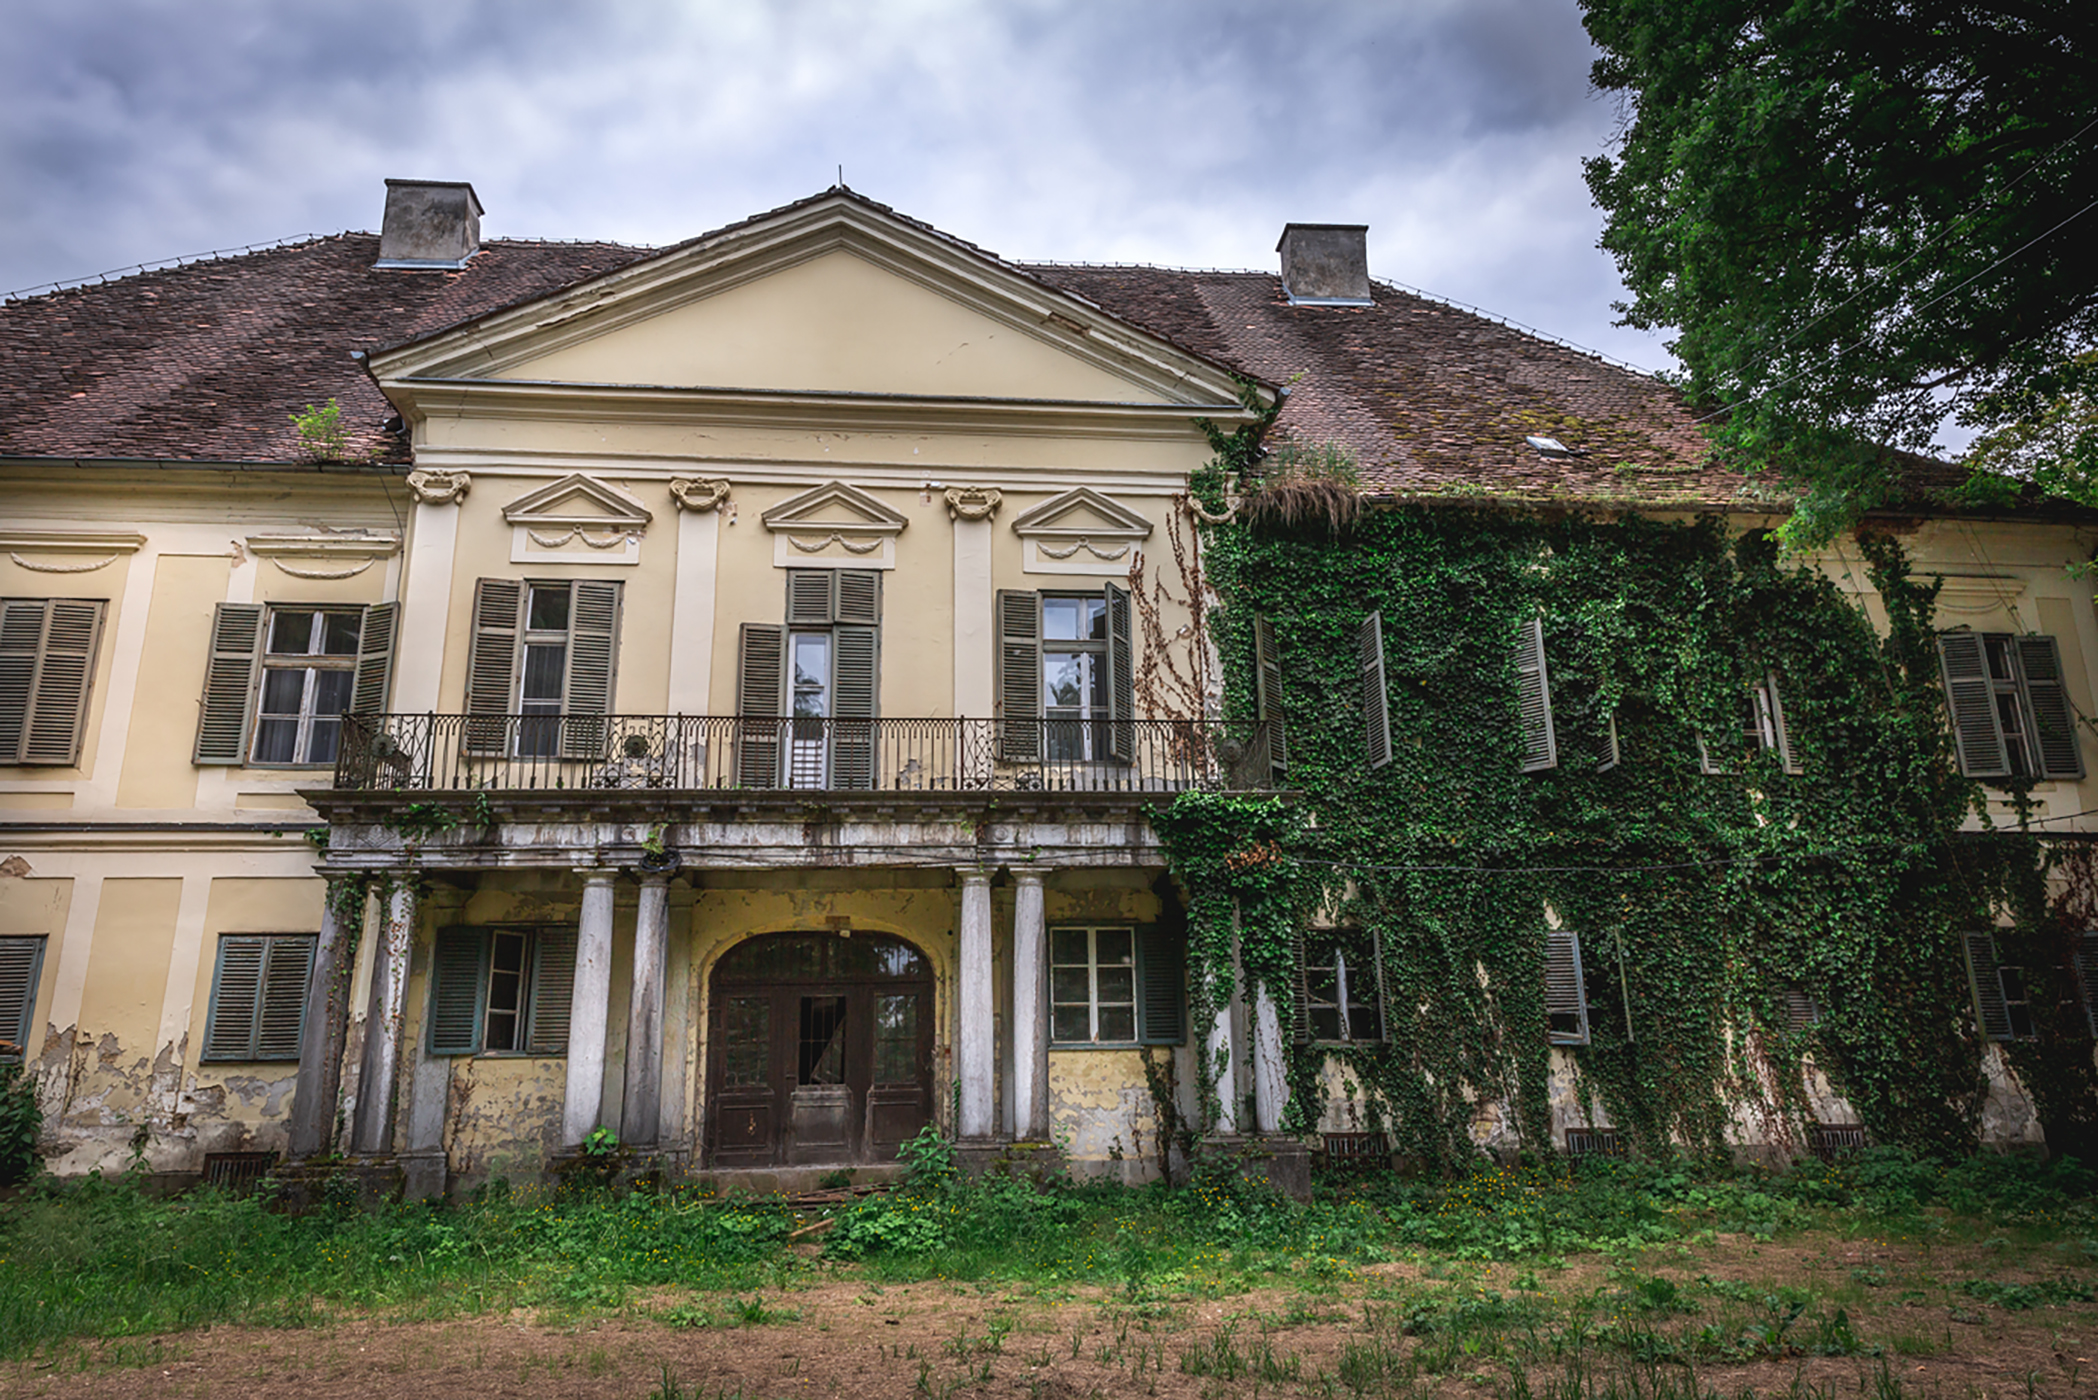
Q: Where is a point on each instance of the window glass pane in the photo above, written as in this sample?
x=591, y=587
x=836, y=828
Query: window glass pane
x=1114, y=945
x=822, y=1050
x=1070, y=1024
x=1067, y=945
x=283, y=690
x=1118, y=1023
x=548, y=611
x=545, y=664
x=1068, y=984
x=323, y=737
x=339, y=633
x=505, y=990
x=811, y=675
x=1998, y=650
x=1063, y=619
x=1362, y=1019
x=746, y=1041
x=1117, y=984
x=1064, y=679
x=1325, y=1022
x=896, y=1039
x=291, y=633
x=331, y=691
x=274, y=740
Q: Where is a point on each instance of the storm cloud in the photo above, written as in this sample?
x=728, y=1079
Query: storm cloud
x=1181, y=133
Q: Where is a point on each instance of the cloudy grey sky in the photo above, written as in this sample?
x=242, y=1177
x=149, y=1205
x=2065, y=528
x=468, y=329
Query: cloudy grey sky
x=1183, y=132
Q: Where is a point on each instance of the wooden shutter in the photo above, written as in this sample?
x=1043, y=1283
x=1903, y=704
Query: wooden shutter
x=1121, y=677
x=855, y=686
x=1802, y=1011
x=1019, y=677
x=1989, y=1010
x=1533, y=692
x=1969, y=697
x=859, y=597
x=1565, y=988
x=374, y=659
x=1376, y=708
x=229, y=684
x=761, y=659
x=236, y=991
x=21, y=639
x=1778, y=727
x=21, y=969
x=2084, y=962
x=58, y=702
x=553, y=991
x=811, y=597
x=1301, y=1033
x=593, y=654
x=1607, y=753
x=1267, y=696
x=491, y=662
x=1161, y=970
x=280, y=1017
x=458, y=990
x=2047, y=700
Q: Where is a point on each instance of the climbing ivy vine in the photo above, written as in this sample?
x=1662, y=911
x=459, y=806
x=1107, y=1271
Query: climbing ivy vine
x=1701, y=898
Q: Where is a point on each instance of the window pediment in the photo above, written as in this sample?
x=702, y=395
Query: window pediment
x=576, y=520
x=834, y=526
x=1079, y=532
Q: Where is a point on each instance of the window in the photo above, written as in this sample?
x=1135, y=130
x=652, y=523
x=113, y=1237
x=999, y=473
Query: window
x=258, y=996
x=21, y=969
x=280, y=677
x=1565, y=989
x=1594, y=1142
x=309, y=665
x=2011, y=716
x=1533, y=696
x=47, y=659
x=2002, y=1006
x=820, y=672
x=1065, y=686
x=1117, y=986
x=501, y=991
x=1340, y=998
x=544, y=651
x=1759, y=720
x=1376, y=708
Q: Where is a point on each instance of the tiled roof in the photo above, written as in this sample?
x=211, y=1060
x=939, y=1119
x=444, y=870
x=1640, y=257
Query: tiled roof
x=207, y=362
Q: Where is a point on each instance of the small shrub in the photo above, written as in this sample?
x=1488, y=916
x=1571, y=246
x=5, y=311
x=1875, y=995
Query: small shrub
x=322, y=436
x=21, y=1123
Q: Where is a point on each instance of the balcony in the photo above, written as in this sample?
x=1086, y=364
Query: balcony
x=702, y=754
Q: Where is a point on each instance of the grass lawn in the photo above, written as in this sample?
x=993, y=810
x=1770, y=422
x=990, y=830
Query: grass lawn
x=1882, y=1277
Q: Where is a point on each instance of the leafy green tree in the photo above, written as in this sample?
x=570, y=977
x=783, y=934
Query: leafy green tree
x=1867, y=219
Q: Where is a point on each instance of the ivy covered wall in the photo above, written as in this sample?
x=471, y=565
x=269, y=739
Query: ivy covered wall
x=1700, y=897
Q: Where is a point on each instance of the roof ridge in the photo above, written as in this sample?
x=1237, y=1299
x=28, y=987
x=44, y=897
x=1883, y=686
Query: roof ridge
x=130, y=270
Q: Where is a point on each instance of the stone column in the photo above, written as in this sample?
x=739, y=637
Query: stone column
x=317, y=1091
x=974, y=1058
x=378, y=1078
x=640, y=1107
x=590, y=1007
x=1030, y=1087
x=1222, y=1046
x=1270, y=1081
x=426, y=588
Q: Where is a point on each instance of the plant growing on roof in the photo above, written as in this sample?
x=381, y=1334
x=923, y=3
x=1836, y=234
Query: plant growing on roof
x=322, y=436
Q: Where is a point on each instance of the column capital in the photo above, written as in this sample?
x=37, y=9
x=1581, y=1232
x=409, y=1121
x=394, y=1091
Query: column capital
x=973, y=874
x=651, y=877
x=597, y=874
x=1028, y=875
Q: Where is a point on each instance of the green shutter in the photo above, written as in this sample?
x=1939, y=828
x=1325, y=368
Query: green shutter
x=229, y=684
x=812, y=597
x=458, y=990
x=593, y=654
x=2084, y=962
x=287, y=969
x=1565, y=989
x=374, y=659
x=859, y=597
x=1267, y=696
x=58, y=702
x=855, y=683
x=1376, y=709
x=1019, y=680
x=21, y=969
x=236, y=993
x=1970, y=699
x=2054, y=719
x=1990, y=1013
x=761, y=660
x=1121, y=676
x=1161, y=970
x=491, y=662
x=1533, y=691
x=553, y=991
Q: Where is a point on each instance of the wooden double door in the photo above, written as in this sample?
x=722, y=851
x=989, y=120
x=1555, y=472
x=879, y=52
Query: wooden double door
x=821, y=1050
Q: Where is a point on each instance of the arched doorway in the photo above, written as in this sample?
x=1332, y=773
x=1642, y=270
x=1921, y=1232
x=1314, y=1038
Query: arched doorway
x=822, y=1049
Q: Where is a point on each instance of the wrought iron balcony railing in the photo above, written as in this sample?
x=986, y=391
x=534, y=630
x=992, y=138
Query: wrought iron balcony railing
x=424, y=753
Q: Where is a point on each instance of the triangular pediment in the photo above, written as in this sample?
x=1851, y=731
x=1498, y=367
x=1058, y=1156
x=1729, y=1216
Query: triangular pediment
x=835, y=507
x=1079, y=513
x=577, y=500
x=835, y=295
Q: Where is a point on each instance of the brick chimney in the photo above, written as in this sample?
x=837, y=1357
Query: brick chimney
x=1325, y=264
x=429, y=224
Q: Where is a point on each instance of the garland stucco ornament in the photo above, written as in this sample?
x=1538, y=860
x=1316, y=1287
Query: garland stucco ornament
x=437, y=488
x=699, y=494
x=973, y=502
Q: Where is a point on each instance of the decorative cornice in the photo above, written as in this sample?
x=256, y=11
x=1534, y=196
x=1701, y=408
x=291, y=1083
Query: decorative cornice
x=973, y=502
x=797, y=515
x=698, y=494
x=435, y=488
x=73, y=541
x=616, y=510
x=1111, y=519
x=325, y=546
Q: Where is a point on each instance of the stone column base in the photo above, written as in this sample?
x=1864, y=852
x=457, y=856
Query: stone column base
x=1282, y=1162
x=1038, y=1162
x=623, y=1169
x=372, y=1183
